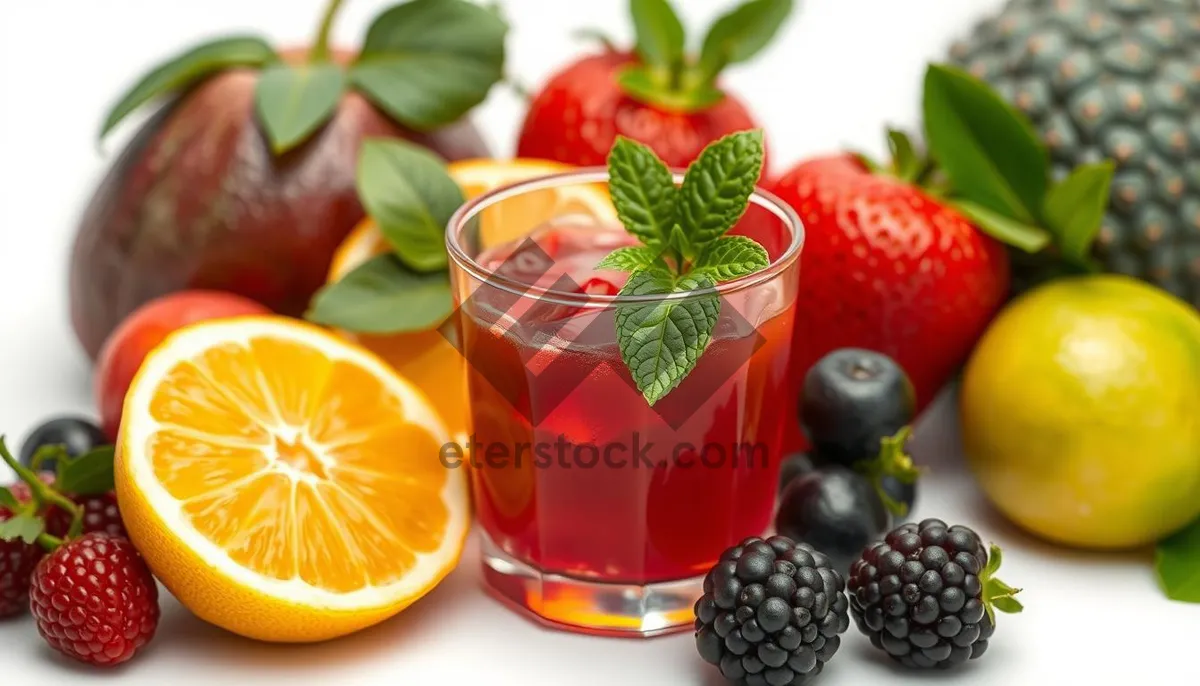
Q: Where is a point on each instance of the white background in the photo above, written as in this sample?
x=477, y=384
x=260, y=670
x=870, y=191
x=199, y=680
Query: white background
x=840, y=71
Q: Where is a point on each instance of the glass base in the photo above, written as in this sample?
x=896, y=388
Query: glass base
x=590, y=607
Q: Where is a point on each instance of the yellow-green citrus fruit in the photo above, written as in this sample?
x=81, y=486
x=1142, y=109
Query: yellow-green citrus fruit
x=1081, y=412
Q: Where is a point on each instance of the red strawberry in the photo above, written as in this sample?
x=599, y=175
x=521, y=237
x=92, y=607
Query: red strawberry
x=887, y=267
x=95, y=600
x=657, y=94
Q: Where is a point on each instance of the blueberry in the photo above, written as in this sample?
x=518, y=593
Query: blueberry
x=851, y=400
x=835, y=510
x=76, y=434
x=794, y=466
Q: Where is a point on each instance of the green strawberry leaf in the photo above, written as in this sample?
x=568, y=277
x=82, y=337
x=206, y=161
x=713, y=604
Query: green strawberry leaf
x=643, y=84
x=716, y=188
x=187, y=68
x=1026, y=237
x=22, y=527
x=426, y=63
x=660, y=36
x=1075, y=208
x=988, y=149
x=643, y=191
x=740, y=35
x=410, y=195
x=661, y=341
x=294, y=101
x=731, y=257
x=1177, y=564
x=8, y=501
x=88, y=474
x=383, y=296
x=632, y=259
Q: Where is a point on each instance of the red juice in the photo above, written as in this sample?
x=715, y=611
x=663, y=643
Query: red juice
x=574, y=473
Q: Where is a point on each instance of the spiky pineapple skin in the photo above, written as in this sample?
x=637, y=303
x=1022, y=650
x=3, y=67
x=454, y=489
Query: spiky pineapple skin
x=1110, y=79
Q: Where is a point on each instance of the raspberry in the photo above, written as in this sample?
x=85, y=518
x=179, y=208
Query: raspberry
x=927, y=594
x=17, y=561
x=771, y=613
x=94, y=600
x=100, y=512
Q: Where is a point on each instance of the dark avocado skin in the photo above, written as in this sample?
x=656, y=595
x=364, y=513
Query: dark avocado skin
x=835, y=510
x=851, y=400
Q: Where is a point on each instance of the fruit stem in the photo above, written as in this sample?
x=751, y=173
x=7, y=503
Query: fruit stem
x=320, y=50
x=43, y=495
x=892, y=461
x=997, y=595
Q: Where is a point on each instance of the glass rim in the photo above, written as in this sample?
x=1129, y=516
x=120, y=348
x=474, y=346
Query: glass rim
x=591, y=175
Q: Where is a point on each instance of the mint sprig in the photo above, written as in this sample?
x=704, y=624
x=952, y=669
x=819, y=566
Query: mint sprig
x=684, y=252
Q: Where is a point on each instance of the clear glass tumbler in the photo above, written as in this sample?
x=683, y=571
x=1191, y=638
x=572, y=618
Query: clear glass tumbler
x=598, y=512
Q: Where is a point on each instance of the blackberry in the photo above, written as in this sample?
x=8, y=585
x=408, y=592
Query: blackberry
x=772, y=613
x=927, y=594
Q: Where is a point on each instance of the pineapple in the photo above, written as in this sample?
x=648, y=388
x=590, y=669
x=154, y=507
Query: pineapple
x=1117, y=79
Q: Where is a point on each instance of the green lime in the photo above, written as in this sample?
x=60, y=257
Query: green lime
x=1081, y=412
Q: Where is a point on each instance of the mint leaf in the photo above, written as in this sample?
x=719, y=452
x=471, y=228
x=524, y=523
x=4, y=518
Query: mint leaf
x=22, y=527
x=1075, y=208
x=383, y=296
x=1018, y=234
x=988, y=149
x=642, y=190
x=741, y=34
x=411, y=196
x=717, y=187
x=187, y=68
x=88, y=474
x=8, y=501
x=426, y=63
x=661, y=341
x=1177, y=564
x=631, y=259
x=731, y=257
x=293, y=102
x=660, y=37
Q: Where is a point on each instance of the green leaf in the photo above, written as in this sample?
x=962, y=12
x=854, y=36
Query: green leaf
x=8, y=501
x=1075, y=207
x=88, y=474
x=1008, y=604
x=631, y=259
x=741, y=34
x=410, y=195
x=731, y=257
x=987, y=148
x=187, y=68
x=660, y=38
x=661, y=341
x=995, y=559
x=23, y=527
x=294, y=101
x=426, y=63
x=642, y=84
x=383, y=296
x=718, y=185
x=643, y=191
x=1026, y=237
x=1177, y=564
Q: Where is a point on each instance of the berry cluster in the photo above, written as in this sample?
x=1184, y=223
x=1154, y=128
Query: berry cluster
x=772, y=613
x=64, y=552
x=856, y=406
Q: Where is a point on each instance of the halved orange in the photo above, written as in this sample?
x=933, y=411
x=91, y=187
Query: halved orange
x=427, y=358
x=285, y=484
